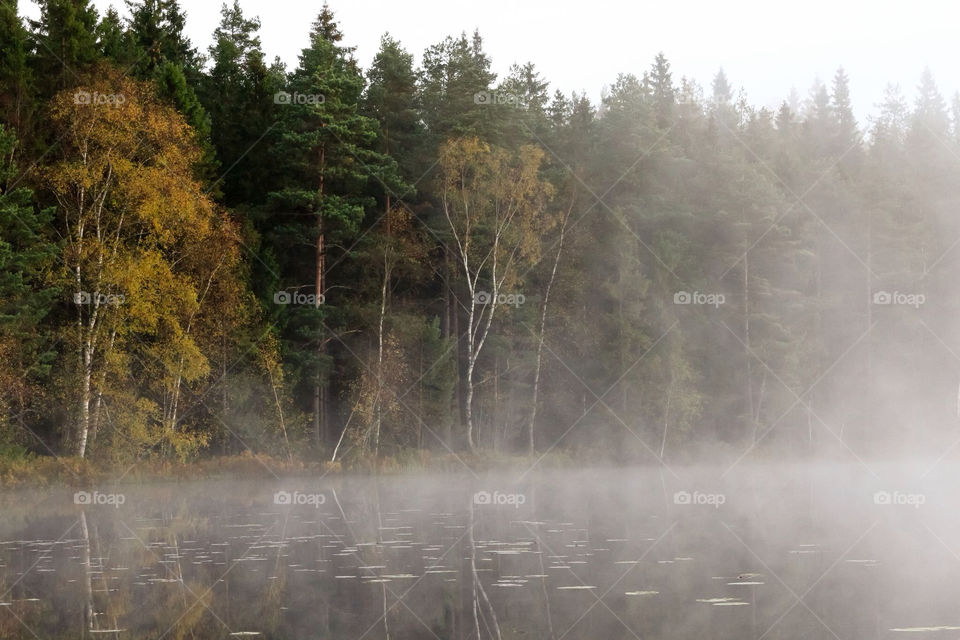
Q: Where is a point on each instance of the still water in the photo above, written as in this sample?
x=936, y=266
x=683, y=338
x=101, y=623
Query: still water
x=793, y=552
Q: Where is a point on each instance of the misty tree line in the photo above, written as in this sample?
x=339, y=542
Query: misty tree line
x=213, y=253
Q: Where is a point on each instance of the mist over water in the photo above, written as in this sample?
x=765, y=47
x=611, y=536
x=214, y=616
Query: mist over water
x=401, y=348
x=787, y=551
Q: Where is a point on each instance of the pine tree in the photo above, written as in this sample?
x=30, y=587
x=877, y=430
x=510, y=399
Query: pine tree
x=331, y=171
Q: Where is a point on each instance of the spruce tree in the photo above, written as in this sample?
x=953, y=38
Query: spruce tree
x=237, y=93
x=63, y=43
x=15, y=101
x=157, y=29
x=391, y=98
x=847, y=134
x=27, y=254
x=455, y=85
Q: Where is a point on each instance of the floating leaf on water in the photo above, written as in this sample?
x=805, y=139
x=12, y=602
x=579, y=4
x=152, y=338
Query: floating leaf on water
x=715, y=600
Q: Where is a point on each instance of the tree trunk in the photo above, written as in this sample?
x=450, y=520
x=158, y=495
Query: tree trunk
x=378, y=399
x=746, y=339
x=89, y=611
x=85, y=394
x=531, y=448
x=319, y=409
x=283, y=423
x=666, y=414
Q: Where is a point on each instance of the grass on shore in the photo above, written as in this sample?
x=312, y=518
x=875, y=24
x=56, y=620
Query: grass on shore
x=35, y=471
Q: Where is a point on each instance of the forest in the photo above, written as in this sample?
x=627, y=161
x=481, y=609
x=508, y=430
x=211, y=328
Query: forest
x=206, y=253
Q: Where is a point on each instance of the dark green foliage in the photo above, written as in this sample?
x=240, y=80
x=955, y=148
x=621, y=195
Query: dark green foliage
x=63, y=43
x=115, y=40
x=157, y=30
x=795, y=216
x=237, y=93
x=15, y=76
x=27, y=254
x=391, y=99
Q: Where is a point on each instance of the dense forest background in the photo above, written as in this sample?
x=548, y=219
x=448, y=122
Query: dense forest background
x=208, y=253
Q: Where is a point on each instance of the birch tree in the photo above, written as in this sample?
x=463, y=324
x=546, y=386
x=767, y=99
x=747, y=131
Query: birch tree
x=493, y=202
x=143, y=246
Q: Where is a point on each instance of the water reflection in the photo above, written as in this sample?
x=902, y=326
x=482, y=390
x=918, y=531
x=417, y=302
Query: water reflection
x=565, y=556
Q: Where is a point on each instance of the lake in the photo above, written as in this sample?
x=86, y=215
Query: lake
x=826, y=551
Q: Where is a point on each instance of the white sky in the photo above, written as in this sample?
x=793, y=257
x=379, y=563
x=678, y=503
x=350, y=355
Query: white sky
x=765, y=47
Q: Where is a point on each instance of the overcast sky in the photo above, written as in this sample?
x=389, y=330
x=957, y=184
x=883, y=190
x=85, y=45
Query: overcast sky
x=765, y=47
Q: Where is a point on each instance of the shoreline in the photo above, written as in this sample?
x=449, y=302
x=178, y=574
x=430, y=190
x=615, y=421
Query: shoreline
x=40, y=472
